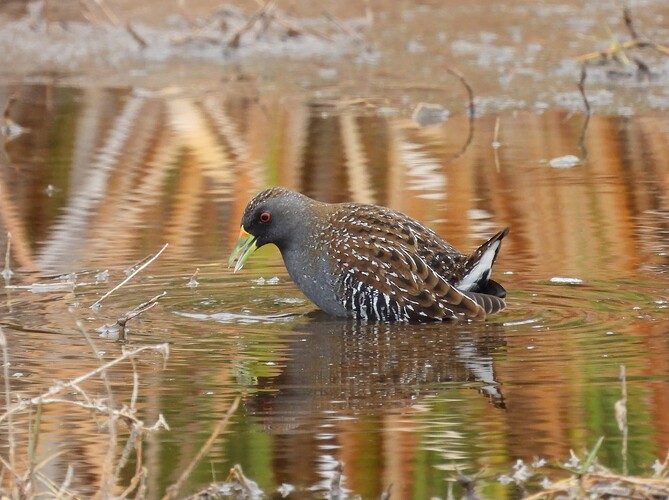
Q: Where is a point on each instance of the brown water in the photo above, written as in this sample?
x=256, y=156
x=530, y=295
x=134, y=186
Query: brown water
x=105, y=177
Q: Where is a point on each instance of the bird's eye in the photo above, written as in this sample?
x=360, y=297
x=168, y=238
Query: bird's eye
x=265, y=217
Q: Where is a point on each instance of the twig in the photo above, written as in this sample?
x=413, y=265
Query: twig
x=192, y=282
x=135, y=385
x=123, y=320
x=345, y=29
x=32, y=446
x=496, y=144
x=621, y=416
x=133, y=33
x=66, y=482
x=143, y=307
x=164, y=349
x=132, y=275
x=581, y=89
x=637, y=41
x=627, y=16
x=386, y=494
x=298, y=30
x=369, y=13
x=107, y=475
x=236, y=37
x=294, y=29
x=8, y=400
x=137, y=481
x=109, y=14
x=471, y=108
x=237, y=476
x=7, y=272
x=135, y=431
x=173, y=490
x=8, y=107
x=588, y=110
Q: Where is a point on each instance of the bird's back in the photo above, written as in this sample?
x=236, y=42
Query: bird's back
x=391, y=267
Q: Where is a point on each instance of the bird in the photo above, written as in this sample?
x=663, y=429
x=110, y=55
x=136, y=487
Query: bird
x=370, y=262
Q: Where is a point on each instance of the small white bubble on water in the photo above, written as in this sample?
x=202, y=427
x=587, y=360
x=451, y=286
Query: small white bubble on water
x=530, y=347
x=566, y=280
x=566, y=161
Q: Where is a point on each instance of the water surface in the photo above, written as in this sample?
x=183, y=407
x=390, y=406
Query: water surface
x=103, y=178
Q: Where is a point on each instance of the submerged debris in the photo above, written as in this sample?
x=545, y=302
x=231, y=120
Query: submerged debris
x=619, y=52
x=192, y=282
x=112, y=42
x=9, y=128
x=237, y=486
x=566, y=161
x=429, y=114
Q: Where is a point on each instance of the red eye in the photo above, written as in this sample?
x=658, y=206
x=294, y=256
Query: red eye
x=265, y=217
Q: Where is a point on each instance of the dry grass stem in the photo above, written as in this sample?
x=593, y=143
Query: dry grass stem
x=62, y=491
x=616, y=49
x=109, y=14
x=255, y=17
x=621, y=416
x=8, y=400
x=7, y=272
x=471, y=108
x=163, y=349
x=136, y=36
x=496, y=144
x=23, y=485
x=342, y=27
x=107, y=477
x=132, y=275
x=173, y=490
x=32, y=445
x=143, y=307
x=588, y=110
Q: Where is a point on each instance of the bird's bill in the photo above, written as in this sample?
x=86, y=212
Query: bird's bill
x=245, y=246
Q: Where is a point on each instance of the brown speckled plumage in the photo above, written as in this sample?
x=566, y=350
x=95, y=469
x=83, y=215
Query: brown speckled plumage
x=374, y=263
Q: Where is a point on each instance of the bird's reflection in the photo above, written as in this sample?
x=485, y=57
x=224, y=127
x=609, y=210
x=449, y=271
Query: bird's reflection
x=347, y=385
x=346, y=366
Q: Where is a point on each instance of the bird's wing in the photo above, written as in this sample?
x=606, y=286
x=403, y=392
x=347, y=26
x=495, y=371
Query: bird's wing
x=380, y=271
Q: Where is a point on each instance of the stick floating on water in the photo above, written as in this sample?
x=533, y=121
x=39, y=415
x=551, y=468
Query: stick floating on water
x=132, y=275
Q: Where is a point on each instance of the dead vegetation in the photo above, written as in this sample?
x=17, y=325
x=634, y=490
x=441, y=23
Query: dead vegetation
x=616, y=59
x=22, y=477
x=626, y=53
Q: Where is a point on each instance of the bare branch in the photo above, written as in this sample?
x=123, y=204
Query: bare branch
x=173, y=490
x=132, y=275
x=164, y=349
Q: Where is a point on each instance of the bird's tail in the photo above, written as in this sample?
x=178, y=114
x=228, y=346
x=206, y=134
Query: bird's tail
x=479, y=266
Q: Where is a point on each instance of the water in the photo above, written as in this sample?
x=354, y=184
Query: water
x=105, y=177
